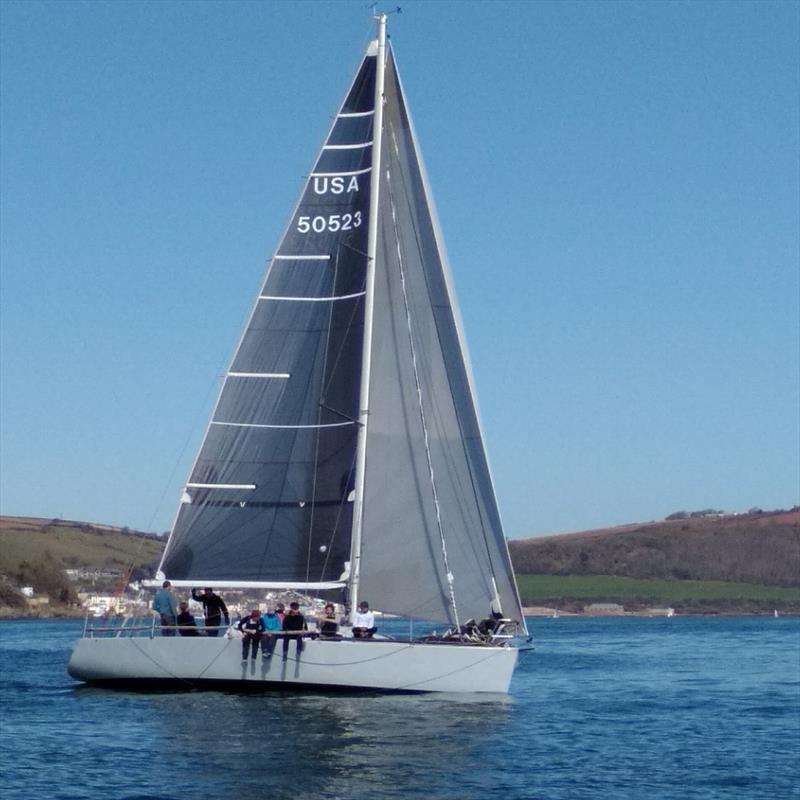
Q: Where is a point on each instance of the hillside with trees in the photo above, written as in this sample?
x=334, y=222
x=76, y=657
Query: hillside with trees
x=58, y=558
x=756, y=548
x=701, y=562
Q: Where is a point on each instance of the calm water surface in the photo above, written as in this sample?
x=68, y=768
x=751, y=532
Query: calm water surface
x=604, y=708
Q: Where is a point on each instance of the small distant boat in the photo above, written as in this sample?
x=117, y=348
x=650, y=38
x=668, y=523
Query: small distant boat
x=775, y=613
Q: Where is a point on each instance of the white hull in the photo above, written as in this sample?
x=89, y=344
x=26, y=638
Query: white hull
x=347, y=664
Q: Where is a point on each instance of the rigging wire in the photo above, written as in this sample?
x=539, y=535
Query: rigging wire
x=128, y=572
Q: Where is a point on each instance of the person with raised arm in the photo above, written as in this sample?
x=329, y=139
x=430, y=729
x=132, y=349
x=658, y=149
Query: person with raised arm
x=214, y=609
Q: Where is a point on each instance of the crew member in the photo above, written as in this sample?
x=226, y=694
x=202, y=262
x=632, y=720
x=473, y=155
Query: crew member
x=214, y=609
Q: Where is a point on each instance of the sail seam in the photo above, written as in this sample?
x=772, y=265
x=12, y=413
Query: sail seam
x=317, y=438
x=301, y=258
x=349, y=114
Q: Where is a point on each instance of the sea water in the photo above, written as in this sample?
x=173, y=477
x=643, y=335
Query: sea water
x=603, y=708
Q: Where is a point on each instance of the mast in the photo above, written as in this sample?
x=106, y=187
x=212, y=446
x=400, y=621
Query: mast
x=366, y=353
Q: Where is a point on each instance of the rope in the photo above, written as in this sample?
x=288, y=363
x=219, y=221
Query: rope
x=159, y=665
x=448, y=674
x=448, y=573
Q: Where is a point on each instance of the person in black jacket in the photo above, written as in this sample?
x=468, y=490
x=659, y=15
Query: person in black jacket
x=327, y=625
x=293, y=621
x=251, y=627
x=214, y=609
x=186, y=624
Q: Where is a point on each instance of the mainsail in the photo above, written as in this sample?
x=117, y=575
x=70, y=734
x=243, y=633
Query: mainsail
x=269, y=499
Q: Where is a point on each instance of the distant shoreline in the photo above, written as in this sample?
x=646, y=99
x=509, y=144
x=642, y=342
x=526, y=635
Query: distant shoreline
x=542, y=613
x=535, y=612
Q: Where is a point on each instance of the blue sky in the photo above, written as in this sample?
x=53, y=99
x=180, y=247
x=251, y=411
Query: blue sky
x=630, y=171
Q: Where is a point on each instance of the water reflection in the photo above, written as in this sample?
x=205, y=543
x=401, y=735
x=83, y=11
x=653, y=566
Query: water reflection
x=319, y=745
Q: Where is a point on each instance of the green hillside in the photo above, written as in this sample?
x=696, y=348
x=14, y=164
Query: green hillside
x=574, y=592
x=744, y=563
x=36, y=552
x=756, y=548
x=75, y=545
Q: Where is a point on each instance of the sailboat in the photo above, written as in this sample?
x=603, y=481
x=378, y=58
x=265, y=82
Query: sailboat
x=344, y=458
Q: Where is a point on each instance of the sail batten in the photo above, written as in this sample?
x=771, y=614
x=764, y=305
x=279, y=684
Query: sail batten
x=280, y=427
x=312, y=299
x=357, y=146
x=340, y=173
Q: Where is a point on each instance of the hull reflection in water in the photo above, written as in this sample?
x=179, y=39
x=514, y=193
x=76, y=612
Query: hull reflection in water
x=347, y=664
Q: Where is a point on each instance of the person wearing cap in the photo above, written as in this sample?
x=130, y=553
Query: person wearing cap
x=213, y=608
x=251, y=627
x=363, y=622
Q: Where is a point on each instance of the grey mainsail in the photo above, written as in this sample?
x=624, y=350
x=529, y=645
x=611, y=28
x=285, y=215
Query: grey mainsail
x=423, y=491
x=268, y=496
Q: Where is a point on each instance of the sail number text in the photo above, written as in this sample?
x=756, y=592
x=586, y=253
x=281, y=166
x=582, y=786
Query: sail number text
x=332, y=223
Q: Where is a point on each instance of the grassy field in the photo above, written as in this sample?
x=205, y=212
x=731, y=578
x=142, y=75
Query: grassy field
x=84, y=547
x=581, y=589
